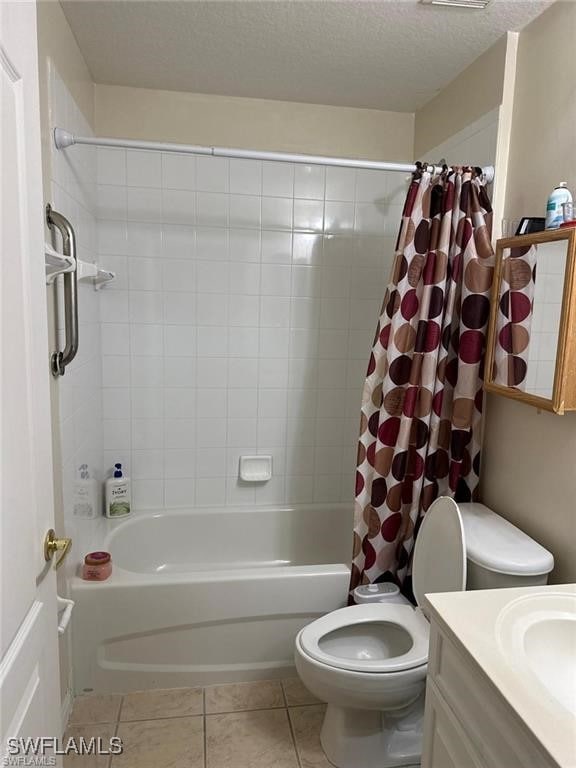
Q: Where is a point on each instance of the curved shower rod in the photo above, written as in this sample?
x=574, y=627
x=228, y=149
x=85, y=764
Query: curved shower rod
x=64, y=139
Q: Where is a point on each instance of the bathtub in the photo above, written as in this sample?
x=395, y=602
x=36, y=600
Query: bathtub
x=208, y=595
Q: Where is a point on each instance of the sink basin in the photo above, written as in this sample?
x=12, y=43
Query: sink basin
x=537, y=635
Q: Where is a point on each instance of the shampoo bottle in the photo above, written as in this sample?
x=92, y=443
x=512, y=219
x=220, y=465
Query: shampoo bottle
x=117, y=494
x=554, y=212
x=86, y=502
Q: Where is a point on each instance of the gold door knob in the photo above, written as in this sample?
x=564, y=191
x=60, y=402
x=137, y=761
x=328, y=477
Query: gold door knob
x=53, y=545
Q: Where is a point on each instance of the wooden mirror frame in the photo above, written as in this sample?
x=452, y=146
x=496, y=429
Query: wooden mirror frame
x=564, y=389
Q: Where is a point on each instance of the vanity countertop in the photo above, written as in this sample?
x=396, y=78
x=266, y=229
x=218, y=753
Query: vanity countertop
x=478, y=620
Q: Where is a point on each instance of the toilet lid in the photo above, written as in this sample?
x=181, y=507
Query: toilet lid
x=375, y=637
x=439, y=563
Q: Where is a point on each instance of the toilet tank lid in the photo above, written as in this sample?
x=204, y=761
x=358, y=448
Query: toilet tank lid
x=497, y=545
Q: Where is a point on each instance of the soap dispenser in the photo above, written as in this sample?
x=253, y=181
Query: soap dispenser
x=117, y=494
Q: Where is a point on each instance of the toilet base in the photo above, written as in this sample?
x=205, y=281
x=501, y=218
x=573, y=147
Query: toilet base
x=364, y=738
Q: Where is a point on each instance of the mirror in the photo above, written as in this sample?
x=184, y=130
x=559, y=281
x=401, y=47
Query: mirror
x=529, y=345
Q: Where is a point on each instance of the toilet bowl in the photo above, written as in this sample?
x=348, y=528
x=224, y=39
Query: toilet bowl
x=368, y=662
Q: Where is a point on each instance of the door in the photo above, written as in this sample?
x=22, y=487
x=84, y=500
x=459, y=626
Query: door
x=29, y=677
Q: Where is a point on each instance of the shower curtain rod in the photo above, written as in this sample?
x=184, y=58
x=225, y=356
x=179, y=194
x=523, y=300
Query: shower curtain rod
x=63, y=139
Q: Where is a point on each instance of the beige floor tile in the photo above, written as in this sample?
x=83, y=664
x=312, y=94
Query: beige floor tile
x=173, y=702
x=265, y=694
x=96, y=708
x=250, y=740
x=306, y=724
x=87, y=731
x=296, y=694
x=176, y=743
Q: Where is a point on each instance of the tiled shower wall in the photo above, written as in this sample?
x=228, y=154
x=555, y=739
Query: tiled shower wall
x=73, y=191
x=240, y=322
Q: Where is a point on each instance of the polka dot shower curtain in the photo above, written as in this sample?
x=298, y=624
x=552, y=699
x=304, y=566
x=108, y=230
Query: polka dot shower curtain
x=422, y=400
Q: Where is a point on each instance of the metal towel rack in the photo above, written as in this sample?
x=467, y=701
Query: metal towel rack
x=59, y=360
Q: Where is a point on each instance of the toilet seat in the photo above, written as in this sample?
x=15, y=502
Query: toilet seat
x=372, y=638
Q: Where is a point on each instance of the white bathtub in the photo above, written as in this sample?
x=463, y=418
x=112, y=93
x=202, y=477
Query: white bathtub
x=208, y=595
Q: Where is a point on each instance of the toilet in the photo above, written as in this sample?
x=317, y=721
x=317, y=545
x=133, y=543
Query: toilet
x=368, y=661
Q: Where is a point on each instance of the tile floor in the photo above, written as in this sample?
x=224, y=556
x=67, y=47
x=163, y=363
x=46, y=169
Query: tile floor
x=268, y=724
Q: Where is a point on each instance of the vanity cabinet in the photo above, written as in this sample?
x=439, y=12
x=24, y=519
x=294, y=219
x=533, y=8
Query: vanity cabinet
x=468, y=723
x=531, y=348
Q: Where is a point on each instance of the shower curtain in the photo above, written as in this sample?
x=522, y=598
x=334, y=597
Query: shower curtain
x=422, y=400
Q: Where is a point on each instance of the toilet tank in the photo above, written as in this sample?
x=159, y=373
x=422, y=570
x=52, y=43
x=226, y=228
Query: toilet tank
x=499, y=554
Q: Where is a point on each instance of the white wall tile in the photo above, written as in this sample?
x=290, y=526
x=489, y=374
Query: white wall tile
x=213, y=372
x=212, y=342
x=178, y=171
x=146, y=339
x=277, y=213
x=178, y=241
x=111, y=164
x=241, y=432
x=227, y=332
x=307, y=248
x=179, y=372
x=246, y=177
x=179, y=402
x=243, y=372
x=243, y=342
x=212, y=244
x=180, y=308
x=243, y=310
x=275, y=311
x=212, y=209
x=211, y=402
x=212, y=309
x=277, y=179
x=180, y=493
x=309, y=181
x=245, y=211
x=178, y=275
x=179, y=433
x=146, y=371
x=178, y=207
x=309, y=215
x=212, y=174
x=145, y=307
x=242, y=403
x=275, y=280
x=210, y=433
x=340, y=183
x=116, y=338
x=244, y=245
x=144, y=274
x=144, y=239
x=111, y=202
x=209, y=462
x=212, y=277
x=276, y=247
x=143, y=168
x=143, y=204
x=115, y=371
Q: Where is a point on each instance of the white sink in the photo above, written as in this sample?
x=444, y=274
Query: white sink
x=537, y=635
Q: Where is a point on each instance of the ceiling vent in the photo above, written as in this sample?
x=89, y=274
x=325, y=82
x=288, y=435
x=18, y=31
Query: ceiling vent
x=472, y=4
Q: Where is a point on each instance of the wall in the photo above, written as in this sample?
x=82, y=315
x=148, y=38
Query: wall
x=474, y=144
x=191, y=118
x=240, y=323
x=476, y=91
x=67, y=95
x=528, y=470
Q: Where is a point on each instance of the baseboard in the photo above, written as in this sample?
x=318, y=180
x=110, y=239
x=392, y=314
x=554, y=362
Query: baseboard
x=66, y=709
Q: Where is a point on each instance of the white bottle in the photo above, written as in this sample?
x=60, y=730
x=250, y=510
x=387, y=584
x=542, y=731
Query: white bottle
x=117, y=494
x=85, y=502
x=554, y=213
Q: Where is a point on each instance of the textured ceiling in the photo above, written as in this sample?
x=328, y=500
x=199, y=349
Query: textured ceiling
x=390, y=54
